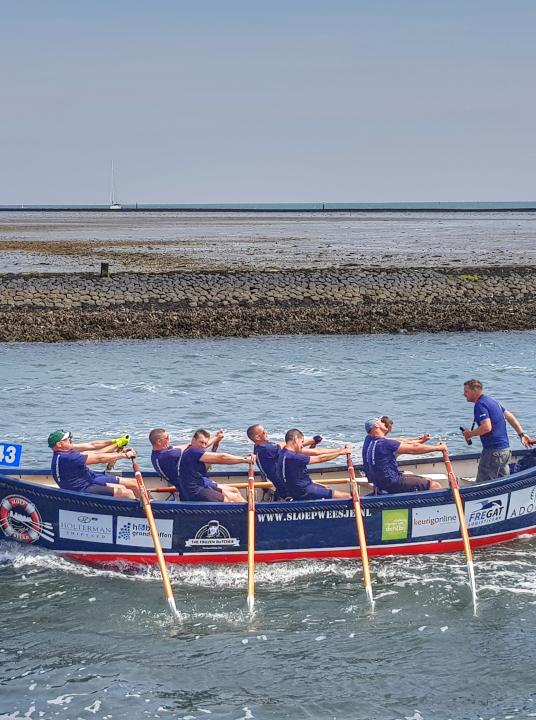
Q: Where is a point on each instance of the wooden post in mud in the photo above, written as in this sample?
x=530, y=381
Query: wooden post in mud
x=104, y=270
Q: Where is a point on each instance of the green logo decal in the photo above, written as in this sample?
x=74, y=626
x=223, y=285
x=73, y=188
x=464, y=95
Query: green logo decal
x=395, y=524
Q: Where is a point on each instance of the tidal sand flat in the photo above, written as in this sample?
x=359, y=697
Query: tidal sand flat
x=161, y=242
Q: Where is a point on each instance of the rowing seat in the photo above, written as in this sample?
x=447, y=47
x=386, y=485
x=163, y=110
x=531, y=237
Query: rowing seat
x=434, y=476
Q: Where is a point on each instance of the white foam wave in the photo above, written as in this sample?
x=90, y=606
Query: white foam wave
x=511, y=572
x=272, y=575
x=204, y=576
x=304, y=370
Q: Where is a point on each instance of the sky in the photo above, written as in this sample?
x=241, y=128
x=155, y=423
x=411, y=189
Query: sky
x=235, y=101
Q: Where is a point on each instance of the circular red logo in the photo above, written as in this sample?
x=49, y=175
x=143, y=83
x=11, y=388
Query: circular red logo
x=19, y=519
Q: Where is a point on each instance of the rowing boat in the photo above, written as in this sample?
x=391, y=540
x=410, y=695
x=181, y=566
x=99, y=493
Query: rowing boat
x=103, y=530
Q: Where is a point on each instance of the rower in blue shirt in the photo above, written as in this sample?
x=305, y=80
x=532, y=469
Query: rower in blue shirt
x=165, y=457
x=380, y=465
x=490, y=418
x=69, y=465
x=194, y=485
x=266, y=454
x=292, y=474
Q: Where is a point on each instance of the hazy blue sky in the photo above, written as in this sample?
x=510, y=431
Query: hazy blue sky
x=279, y=101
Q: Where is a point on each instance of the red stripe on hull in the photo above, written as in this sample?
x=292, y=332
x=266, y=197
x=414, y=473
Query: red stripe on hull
x=423, y=548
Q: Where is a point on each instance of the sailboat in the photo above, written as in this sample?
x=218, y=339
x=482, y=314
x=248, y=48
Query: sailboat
x=114, y=205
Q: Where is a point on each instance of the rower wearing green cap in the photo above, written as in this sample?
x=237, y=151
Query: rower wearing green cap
x=70, y=461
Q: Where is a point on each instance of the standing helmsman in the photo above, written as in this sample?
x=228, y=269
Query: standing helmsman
x=490, y=418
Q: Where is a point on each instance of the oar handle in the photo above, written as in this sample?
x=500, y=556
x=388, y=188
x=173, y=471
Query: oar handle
x=353, y=481
x=251, y=487
x=144, y=495
x=351, y=474
x=450, y=472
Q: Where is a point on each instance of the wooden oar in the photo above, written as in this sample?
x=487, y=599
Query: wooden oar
x=146, y=502
x=360, y=526
x=453, y=482
x=251, y=537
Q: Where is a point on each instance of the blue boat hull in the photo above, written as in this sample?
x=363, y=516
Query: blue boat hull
x=103, y=531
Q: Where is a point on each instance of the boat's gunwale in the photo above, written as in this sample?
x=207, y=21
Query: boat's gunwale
x=240, y=473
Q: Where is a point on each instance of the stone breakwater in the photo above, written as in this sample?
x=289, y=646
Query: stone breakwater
x=54, y=308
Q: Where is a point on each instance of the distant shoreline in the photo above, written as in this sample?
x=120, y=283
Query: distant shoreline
x=336, y=301
x=432, y=207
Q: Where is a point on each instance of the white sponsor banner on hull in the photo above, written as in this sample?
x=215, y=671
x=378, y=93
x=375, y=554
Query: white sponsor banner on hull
x=486, y=512
x=442, y=519
x=522, y=502
x=213, y=534
x=434, y=520
x=135, y=532
x=85, y=527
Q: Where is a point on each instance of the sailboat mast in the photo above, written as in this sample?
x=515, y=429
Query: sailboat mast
x=112, y=185
x=114, y=205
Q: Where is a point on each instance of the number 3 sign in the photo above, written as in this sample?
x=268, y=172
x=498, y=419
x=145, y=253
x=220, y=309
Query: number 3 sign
x=10, y=454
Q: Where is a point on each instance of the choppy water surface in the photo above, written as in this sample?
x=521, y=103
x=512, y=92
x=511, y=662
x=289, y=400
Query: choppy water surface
x=83, y=643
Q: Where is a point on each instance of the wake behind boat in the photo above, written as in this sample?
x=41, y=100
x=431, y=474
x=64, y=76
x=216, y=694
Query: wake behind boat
x=104, y=530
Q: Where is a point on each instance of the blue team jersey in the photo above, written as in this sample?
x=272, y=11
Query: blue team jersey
x=292, y=474
x=71, y=472
x=379, y=461
x=267, y=455
x=166, y=463
x=488, y=408
x=193, y=474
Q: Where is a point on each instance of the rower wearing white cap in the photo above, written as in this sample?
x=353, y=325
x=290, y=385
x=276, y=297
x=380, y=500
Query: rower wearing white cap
x=379, y=460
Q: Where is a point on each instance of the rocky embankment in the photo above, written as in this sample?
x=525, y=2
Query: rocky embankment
x=52, y=308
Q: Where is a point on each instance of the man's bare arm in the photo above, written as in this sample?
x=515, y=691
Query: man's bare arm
x=225, y=458
x=484, y=428
x=514, y=422
x=96, y=457
x=419, y=448
x=328, y=455
x=104, y=445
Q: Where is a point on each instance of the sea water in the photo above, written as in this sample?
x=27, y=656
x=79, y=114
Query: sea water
x=85, y=643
